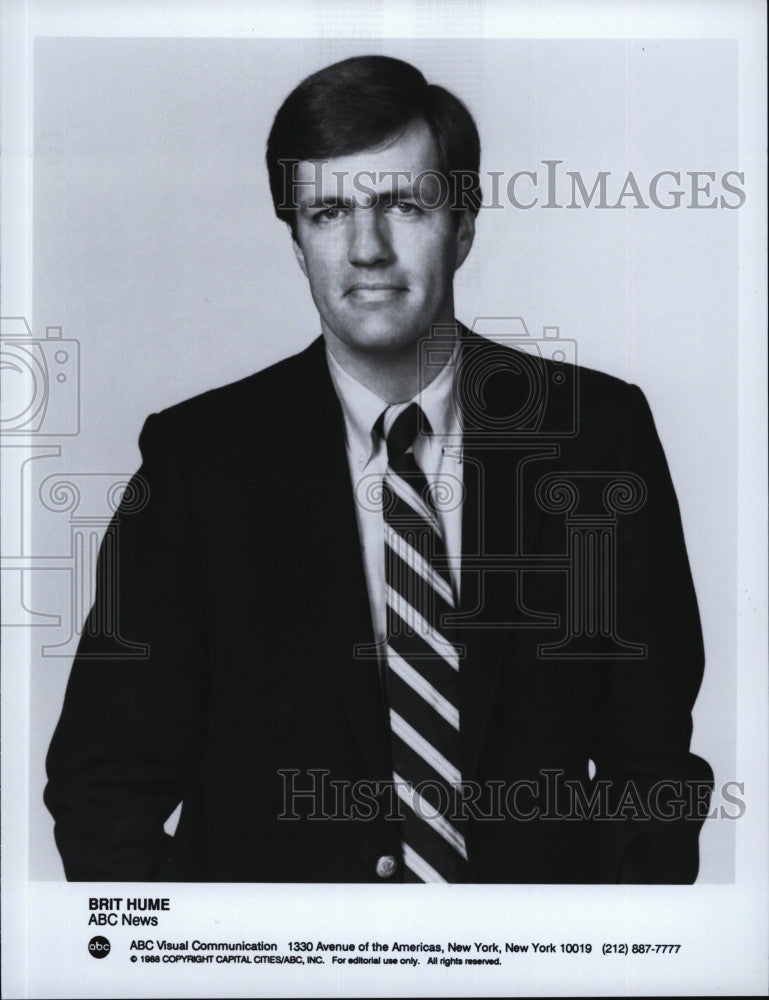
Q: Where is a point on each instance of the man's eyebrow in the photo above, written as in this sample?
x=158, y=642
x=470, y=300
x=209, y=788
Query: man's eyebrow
x=403, y=192
x=325, y=201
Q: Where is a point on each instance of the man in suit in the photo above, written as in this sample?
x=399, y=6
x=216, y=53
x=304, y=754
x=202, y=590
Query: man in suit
x=413, y=605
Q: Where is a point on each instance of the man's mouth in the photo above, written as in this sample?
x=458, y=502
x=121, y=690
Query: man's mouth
x=374, y=291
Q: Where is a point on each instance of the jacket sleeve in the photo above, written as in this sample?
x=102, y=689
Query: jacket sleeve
x=662, y=788
x=131, y=724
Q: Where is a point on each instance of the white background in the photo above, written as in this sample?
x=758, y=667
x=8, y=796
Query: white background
x=144, y=228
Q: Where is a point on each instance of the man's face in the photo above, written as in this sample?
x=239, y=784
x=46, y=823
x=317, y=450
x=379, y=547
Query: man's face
x=379, y=259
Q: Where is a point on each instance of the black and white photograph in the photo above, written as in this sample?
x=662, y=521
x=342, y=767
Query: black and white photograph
x=384, y=489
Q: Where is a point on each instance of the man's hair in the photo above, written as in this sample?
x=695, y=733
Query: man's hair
x=364, y=103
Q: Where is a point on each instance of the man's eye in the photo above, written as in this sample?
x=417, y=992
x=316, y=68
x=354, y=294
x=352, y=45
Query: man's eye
x=327, y=215
x=405, y=208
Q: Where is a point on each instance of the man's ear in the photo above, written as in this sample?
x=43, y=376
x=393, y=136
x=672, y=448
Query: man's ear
x=299, y=256
x=465, y=237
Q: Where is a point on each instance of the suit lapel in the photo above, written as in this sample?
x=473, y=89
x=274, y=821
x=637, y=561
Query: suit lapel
x=481, y=605
x=495, y=508
x=342, y=612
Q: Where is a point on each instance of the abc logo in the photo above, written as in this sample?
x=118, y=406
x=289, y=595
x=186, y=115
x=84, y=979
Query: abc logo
x=98, y=947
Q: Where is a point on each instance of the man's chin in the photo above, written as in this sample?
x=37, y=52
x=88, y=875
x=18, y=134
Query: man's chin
x=382, y=338
x=385, y=343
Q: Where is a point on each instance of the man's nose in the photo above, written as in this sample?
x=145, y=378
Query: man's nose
x=369, y=239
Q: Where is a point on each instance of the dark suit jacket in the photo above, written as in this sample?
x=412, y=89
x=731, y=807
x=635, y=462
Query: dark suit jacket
x=243, y=575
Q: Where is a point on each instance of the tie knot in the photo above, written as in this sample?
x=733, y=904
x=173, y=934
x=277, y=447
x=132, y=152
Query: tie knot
x=401, y=429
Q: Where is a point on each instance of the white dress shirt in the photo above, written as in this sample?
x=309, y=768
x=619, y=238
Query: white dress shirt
x=438, y=454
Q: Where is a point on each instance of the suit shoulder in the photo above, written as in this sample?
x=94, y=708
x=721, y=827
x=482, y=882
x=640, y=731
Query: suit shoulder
x=595, y=382
x=553, y=384
x=599, y=388
x=258, y=392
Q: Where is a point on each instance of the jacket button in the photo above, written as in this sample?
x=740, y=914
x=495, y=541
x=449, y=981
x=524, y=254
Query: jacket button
x=386, y=865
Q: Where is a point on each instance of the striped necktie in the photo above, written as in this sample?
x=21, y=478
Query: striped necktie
x=422, y=663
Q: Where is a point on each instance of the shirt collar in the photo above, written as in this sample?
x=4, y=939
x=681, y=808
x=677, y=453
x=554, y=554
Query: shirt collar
x=362, y=408
x=437, y=399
